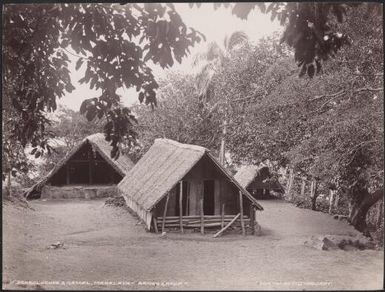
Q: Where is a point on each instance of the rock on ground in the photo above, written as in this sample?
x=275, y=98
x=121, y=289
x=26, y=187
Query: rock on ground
x=345, y=242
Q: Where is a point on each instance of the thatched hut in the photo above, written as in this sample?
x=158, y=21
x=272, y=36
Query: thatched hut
x=176, y=184
x=87, y=171
x=258, y=181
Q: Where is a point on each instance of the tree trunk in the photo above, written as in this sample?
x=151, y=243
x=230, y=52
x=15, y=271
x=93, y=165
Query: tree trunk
x=223, y=145
x=379, y=214
x=331, y=200
x=303, y=186
x=336, y=200
x=314, y=195
x=9, y=185
x=360, y=208
x=290, y=185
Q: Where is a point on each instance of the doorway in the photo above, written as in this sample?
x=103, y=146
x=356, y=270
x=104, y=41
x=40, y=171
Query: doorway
x=208, y=197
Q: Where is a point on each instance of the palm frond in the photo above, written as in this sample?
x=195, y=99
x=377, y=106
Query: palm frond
x=199, y=58
x=236, y=38
x=204, y=78
x=214, y=51
x=225, y=41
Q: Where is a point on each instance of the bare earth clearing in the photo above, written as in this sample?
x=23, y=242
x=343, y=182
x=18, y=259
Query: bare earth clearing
x=105, y=244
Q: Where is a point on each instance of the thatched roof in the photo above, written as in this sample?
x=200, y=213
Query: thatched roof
x=122, y=165
x=162, y=167
x=247, y=173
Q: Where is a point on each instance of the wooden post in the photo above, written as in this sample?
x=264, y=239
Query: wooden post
x=155, y=224
x=290, y=184
x=181, y=206
x=223, y=216
x=350, y=206
x=112, y=176
x=90, y=168
x=202, y=217
x=336, y=200
x=252, y=219
x=313, y=194
x=312, y=188
x=303, y=187
x=257, y=227
x=241, y=211
x=288, y=179
x=379, y=213
x=9, y=185
x=67, y=173
x=227, y=226
x=188, y=200
x=165, y=212
x=331, y=200
x=222, y=149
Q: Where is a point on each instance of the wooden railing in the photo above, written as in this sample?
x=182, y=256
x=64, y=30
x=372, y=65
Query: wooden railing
x=205, y=221
x=209, y=221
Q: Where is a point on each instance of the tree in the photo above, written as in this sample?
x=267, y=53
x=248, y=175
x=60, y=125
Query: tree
x=114, y=42
x=309, y=28
x=105, y=38
x=72, y=127
x=178, y=116
x=330, y=127
x=214, y=59
x=181, y=117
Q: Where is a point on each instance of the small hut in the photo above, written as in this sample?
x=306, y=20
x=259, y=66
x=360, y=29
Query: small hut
x=258, y=181
x=87, y=171
x=184, y=186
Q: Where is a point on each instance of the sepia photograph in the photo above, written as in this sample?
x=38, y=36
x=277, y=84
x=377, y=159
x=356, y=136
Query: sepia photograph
x=192, y=146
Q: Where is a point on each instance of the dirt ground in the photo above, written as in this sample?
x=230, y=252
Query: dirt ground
x=106, y=248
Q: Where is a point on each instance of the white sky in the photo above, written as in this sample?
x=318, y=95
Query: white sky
x=214, y=24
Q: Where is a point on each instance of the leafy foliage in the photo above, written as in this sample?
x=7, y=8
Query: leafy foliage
x=330, y=127
x=310, y=28
x=178, y=116
x=213, y=59
x=114, y=42
x=72, y=127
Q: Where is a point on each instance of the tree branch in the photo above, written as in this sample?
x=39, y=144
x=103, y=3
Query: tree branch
x=242, y=99
x=366, y=74
x=368, y=89
x=339, y=93
x=75, y=55
x=344, y=91
x=354, y=150
x=317, y=97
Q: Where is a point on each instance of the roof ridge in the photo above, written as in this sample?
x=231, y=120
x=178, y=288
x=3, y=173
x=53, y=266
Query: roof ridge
x=94, y=135
x=182, y=145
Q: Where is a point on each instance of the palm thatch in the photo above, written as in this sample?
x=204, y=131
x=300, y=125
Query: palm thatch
x=161, y=168
x=250, y=173
x=122, y=165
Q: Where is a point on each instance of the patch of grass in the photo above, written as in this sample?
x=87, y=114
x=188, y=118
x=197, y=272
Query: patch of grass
x=16, y=198
x=116, y=202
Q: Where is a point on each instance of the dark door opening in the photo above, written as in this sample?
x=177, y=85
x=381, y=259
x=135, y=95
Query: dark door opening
x=185, y=197
x=208, y=197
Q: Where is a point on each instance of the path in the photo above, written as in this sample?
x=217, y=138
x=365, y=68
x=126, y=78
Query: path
x=105, y=246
